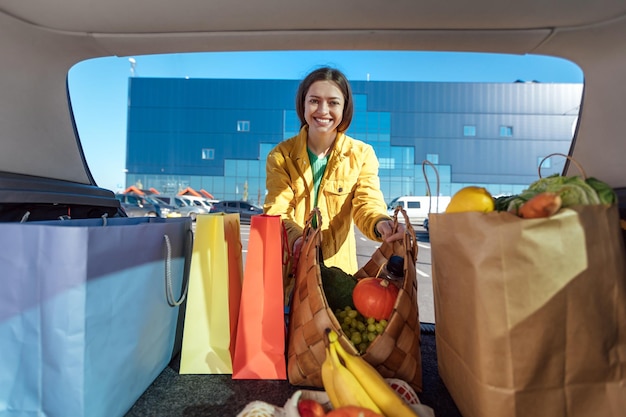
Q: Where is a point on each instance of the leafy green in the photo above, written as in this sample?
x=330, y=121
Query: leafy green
x=572, y=190
x=606, y=194
x=338, y=287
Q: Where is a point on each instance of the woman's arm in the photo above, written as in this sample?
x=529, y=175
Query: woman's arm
x=280, y=198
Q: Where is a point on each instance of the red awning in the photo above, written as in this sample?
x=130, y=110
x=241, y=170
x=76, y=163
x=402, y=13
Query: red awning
x=133, y=189
x=207, y=194
x=190, y=191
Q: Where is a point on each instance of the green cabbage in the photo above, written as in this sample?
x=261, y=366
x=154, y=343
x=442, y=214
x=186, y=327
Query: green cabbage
x=573, y=191
x=606, y=194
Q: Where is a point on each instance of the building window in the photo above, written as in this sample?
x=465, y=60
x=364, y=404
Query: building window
x=469, y=130
x=243, y=125
x=433, y=158
x=208, y=153
x=506, y=131
x=387, y=163
x=546, y=164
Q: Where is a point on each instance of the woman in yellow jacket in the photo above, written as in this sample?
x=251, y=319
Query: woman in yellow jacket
x=322, y=167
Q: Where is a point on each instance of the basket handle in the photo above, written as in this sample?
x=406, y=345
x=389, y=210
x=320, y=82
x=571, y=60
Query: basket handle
x=410, y=240
x=310, y=232
x=569, y=158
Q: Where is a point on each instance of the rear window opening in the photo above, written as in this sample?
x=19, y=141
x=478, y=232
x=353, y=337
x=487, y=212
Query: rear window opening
x=207, y=121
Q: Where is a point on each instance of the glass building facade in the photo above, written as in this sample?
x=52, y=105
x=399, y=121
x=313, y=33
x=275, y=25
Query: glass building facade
x=215, y=134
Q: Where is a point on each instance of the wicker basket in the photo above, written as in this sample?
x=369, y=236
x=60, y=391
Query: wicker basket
x=395, y=353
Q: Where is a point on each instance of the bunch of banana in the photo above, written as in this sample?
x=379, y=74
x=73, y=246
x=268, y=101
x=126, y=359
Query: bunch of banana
x=342, y=387
x=350, y=380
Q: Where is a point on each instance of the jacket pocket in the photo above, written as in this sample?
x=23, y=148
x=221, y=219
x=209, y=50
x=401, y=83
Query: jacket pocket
x=338, y=194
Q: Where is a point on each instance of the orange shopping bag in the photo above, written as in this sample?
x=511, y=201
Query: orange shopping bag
x=260, y=347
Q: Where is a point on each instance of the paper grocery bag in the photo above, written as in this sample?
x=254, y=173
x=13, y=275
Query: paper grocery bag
x=531, y=313
x=210, y=328
x=260, y=347
x=88, y=312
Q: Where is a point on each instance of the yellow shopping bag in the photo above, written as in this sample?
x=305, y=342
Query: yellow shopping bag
x=214, y=293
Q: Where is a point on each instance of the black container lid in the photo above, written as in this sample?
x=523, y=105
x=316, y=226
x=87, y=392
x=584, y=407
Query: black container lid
x=395, y=265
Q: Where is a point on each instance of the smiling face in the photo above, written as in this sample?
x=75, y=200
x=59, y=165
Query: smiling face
x=323, y=108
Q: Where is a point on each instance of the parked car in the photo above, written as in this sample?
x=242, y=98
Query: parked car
x=167, y=210
x=196, y=201
x=417, y=208
x=244, y=208
x=138, y=206
x=181, y=205
x=147, y=204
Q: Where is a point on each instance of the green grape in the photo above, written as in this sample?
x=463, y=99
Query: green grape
x=371, y=327
x=347, y=320
x=360, y=325
x=371, y=320
x=362, y=347
x=379, y=328
x=371, y=336
x=352, y=313
x=383, y=323
x=341, y=314
x=355, y=338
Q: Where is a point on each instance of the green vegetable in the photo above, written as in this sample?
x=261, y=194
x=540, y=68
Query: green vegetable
x=572, y=190
x=338, y=286
x=605, y=192
x=502, y=203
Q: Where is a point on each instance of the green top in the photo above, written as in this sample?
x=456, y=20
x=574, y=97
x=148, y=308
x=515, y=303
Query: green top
x=318, y=166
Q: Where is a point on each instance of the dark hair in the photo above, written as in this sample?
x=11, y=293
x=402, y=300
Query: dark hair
x=337, y=77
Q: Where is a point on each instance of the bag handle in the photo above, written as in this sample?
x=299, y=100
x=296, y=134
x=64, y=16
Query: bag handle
x=410, y=240
x=169, y=292
x=430, y=194
x=311, y=235
x=569, y=159
x=285, y=243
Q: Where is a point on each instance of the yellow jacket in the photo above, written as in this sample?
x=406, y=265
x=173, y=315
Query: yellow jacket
x=349, y=193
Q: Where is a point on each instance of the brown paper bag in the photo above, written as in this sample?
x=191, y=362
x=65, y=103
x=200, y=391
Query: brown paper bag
x=531, y=313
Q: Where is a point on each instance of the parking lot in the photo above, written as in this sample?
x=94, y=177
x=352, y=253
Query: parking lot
x=366, y=247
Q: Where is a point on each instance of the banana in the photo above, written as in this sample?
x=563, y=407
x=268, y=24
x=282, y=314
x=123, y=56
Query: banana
x=375, y=385
x=347, y=389
x=328, y=375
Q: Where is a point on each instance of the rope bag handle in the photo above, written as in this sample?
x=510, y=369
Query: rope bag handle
x=569, y=159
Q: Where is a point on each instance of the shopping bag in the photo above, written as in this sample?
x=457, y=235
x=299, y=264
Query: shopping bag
x=395, y=353
x=88, y=312
x=214, y=292
x=531, y=313
x=260, y=347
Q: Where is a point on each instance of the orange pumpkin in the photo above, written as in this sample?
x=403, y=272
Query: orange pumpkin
x=374, y=297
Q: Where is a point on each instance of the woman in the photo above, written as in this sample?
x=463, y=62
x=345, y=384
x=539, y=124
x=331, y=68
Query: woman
x=322, y=167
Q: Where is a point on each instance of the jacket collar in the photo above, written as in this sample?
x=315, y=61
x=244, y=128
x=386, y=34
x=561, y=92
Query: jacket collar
x=299, y=154
x=339, y=151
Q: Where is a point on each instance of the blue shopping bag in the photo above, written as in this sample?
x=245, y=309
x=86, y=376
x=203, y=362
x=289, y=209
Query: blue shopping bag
x=88, y=312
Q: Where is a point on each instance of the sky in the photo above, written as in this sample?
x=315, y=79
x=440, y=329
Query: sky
x=99, y=87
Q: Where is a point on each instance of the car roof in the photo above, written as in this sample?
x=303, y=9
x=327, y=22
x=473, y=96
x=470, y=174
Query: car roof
x=41, y=40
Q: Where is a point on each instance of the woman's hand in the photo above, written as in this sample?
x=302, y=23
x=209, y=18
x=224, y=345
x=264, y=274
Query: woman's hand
x=385, y=229
x=295, y=254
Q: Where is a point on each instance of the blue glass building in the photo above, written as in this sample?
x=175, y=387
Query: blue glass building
x=215, y=134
